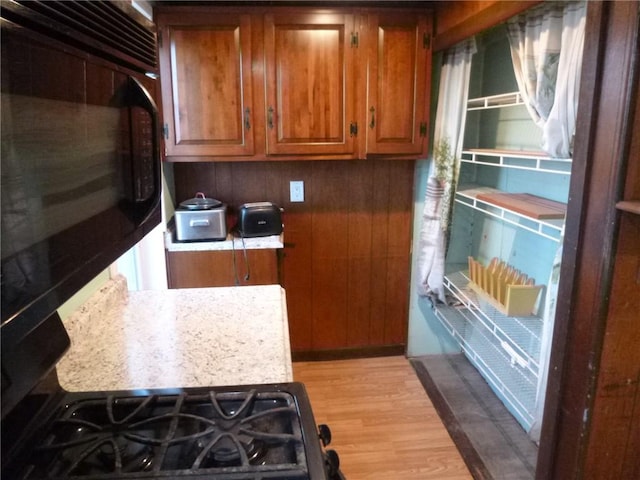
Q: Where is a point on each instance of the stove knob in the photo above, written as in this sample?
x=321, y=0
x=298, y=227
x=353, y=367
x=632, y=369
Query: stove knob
x=324, y=432
x=332, y=461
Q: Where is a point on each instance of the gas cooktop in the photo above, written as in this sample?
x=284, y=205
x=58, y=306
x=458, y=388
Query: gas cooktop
x=254, y=432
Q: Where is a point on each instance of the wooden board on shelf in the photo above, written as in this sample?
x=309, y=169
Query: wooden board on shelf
x=526, y=204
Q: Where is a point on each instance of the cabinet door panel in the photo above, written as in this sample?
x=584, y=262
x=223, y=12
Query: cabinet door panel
x=310, y=91
x=195, y=269
x=207, y=95
x=399, y=70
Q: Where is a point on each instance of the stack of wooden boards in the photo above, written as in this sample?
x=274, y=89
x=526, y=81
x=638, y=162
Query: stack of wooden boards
x=510, y=291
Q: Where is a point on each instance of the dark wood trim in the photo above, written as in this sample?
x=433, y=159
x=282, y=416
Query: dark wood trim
x=629, y=206
x=347, y=353
x=584, y=133
x=602, y=136
x=469, y=454
x=475, y=20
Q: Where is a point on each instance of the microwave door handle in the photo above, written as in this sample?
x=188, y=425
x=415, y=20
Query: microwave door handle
x=140, y=97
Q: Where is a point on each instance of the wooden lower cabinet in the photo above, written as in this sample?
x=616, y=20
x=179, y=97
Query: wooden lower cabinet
x=217, y=268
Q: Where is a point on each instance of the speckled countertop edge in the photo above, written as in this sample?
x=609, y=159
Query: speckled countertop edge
x=232, y=242
x=177, y=338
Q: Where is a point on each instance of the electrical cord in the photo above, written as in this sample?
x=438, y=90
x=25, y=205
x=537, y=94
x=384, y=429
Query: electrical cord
x=233, y=255
x=247, y=275
x=246, y=260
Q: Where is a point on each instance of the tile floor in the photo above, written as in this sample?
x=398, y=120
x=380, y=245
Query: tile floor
x=491, y=441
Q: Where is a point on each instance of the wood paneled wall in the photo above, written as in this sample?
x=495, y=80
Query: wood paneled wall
x=347, y=247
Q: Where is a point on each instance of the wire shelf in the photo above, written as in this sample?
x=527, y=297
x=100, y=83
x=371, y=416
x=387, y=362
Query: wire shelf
x=551, y=229
x=531, y=161
x=520, y=337
x=515, y=386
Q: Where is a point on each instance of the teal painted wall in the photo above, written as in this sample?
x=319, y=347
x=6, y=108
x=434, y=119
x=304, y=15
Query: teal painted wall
x=504, y=128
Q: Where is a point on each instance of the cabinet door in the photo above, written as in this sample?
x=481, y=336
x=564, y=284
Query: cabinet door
x=399, y=75
x=217, y=268
x=310, y=84
x=205, y=65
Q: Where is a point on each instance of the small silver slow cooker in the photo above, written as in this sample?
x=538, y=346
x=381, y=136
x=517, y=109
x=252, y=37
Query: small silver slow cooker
x=201, y=218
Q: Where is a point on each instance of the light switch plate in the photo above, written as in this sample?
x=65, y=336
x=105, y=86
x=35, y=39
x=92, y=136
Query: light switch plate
x=296, y=191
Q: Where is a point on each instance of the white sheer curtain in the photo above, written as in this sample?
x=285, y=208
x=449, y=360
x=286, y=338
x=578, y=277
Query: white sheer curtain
x=449, y=128
x=551, y=299
x=546, y=49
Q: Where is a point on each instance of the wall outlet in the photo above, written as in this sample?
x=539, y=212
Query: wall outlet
x=296, y=191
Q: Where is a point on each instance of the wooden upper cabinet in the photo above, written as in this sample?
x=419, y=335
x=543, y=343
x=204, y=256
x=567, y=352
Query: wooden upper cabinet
x=399, y=76
x=205, y=67
x=310, y=91
x=293, y=83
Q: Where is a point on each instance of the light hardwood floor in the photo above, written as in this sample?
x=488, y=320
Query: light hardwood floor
x=384, y=426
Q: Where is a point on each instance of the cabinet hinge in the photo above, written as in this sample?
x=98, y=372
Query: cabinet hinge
x=426, y=41
x=353, y=129
x=165, y=131
x=423, y=129
x=354, y=39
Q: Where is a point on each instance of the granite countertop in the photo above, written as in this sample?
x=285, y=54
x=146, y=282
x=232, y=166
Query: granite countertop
x=177, y=338
x=232, y=242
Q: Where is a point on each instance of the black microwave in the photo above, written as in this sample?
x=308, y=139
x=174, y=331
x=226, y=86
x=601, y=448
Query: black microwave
x=80, y=173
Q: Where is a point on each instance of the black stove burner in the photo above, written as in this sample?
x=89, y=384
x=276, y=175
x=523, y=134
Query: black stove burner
x=239, y=434
x=118, y=453
x=227, y=451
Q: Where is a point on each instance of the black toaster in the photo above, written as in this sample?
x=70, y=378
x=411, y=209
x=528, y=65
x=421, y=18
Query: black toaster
x=259, y=219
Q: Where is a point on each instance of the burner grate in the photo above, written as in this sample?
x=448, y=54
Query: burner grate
x=246, y=434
